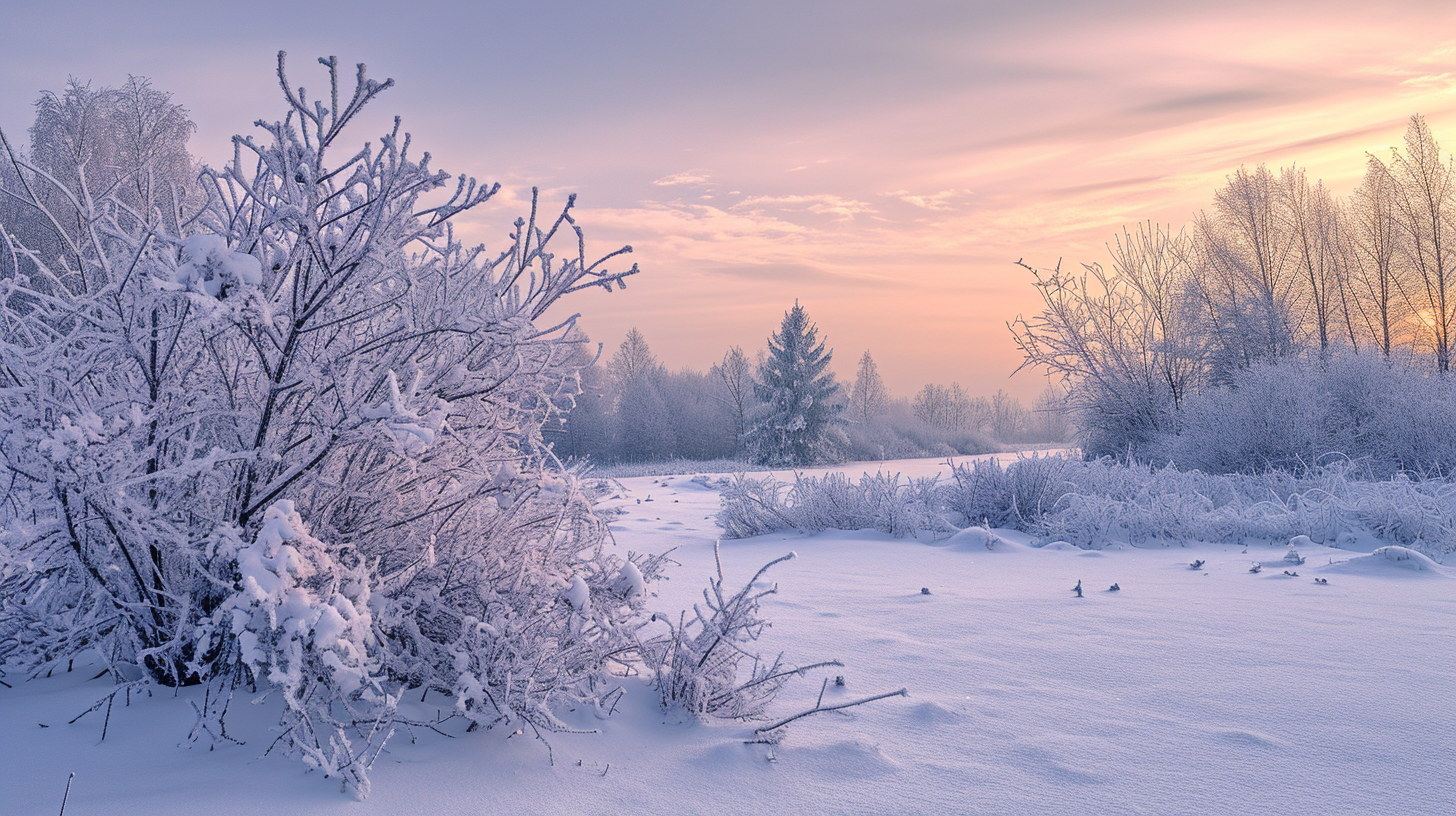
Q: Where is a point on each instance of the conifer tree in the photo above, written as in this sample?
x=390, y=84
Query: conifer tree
x=801, y=417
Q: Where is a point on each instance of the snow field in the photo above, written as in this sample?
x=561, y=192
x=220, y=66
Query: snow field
x=1190, y=691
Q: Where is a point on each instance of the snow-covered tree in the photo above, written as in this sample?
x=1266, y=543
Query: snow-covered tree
x=294, y=440
x=128, y=144
x=801, y=414
x=643, y=424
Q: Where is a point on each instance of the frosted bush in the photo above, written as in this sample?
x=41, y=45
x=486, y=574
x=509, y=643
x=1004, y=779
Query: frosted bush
x=706, y=665
x=1015, y=496
x=296, y=444
x=753, y=506
x=832, y=502
x=1382, y=416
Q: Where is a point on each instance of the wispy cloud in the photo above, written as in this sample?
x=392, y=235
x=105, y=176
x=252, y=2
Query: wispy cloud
x=939, y=202
x=685, y=177
x=818, y=204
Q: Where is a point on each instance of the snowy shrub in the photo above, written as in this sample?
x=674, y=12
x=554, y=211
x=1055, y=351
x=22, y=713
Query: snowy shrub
x=880, y=502
x=705, y=666
x=753, y=506
x=1015, y=496
x=1107, y=502
x=294, y=440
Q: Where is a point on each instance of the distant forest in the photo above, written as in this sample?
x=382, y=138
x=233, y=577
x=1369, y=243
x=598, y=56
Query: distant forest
x=634, y=409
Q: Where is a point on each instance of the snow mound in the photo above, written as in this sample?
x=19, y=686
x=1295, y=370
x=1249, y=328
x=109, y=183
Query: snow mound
x=1392, y=559
x=933, y=714
x=1060, y=546
x=982, y=539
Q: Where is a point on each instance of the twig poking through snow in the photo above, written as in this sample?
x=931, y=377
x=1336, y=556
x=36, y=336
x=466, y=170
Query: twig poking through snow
x=67, y=795
x=820, y=707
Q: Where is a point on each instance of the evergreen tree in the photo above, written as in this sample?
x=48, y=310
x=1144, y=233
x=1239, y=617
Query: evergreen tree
x=798, y=426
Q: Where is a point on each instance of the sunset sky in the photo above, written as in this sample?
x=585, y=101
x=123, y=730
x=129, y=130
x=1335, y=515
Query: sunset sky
x=884, y=163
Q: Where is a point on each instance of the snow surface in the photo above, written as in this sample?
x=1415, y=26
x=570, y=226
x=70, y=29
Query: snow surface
x=1190, y=691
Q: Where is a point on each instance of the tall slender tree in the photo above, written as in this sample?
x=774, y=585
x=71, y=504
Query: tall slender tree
x=734, y=376
x=869, y=396
x=1424, y=187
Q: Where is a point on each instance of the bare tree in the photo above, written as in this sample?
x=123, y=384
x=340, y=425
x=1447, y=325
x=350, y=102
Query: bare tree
x=869, y=396
x=1370, y=245
x=1247, y=279
x=1120, y=340
x=734, y=376
x=1424, y=195
x=634, y=359
x=1008, y=416
x=1310, y=219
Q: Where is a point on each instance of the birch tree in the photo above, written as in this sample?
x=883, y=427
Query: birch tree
x=1423, y=187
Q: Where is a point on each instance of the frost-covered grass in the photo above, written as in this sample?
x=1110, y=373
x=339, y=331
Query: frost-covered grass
x=1095, y=504
x=670, y=467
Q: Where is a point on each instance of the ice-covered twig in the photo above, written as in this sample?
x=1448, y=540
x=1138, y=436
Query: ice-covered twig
x=819, y=708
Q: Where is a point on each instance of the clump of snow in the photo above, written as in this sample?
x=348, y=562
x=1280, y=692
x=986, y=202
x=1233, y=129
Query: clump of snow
x=296, y=606
x=302, y=623
x=983, y=539
x=413, y=420
x=577, y=594
x=629, y=582
x=209, y=267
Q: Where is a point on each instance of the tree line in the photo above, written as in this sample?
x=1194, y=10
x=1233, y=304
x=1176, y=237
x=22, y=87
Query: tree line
x=1278, y=272
x=782, y=406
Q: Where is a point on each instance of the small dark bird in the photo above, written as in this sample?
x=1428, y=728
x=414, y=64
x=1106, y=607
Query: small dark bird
x=925, y=590
x=1197, y=564
x=1078, y=587
x=1256, y=568
x=1114, y=588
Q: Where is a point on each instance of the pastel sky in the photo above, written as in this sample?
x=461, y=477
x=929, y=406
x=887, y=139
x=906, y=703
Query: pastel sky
x=886, y=163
